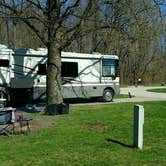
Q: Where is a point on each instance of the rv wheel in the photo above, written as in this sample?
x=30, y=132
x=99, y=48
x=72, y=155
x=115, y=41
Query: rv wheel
x=108, y=95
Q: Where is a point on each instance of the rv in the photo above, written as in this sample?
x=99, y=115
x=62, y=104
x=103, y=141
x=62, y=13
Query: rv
x=83, y=75
x=5, y=74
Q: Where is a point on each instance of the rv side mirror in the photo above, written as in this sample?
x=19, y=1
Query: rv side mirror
x=113, y=77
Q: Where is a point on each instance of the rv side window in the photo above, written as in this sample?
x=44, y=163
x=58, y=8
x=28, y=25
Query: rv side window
x=109, y=67
x=4, y=63
x=69, y=69
x=42, y=69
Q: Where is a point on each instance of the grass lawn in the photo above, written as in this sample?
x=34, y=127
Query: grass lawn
x=158, y=90
x=80, y=138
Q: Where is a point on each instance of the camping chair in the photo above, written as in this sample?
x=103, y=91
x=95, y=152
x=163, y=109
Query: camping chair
x=7, y=120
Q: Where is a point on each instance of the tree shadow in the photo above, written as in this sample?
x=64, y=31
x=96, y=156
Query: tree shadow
x=118, y=142
x=81, y=100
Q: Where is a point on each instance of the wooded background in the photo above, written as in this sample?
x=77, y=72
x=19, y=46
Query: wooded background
x=130, y=29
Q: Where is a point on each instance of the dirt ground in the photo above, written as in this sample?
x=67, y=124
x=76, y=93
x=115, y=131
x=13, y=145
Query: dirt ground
x=38, y=120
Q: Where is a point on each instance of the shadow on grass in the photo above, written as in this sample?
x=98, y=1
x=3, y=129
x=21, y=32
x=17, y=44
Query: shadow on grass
x=82, y=100
x=120, y=143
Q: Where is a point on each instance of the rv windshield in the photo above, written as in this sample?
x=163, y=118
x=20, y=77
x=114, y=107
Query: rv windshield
x=109, y=67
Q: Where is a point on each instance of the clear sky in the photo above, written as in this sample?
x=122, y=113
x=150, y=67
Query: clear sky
x=163, y=7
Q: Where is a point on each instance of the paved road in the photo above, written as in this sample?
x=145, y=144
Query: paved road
x=141, y=94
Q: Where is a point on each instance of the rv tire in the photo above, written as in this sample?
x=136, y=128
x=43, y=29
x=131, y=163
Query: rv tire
x=108, y=95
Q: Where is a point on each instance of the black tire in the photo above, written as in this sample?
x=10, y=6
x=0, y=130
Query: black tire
x=108, y=95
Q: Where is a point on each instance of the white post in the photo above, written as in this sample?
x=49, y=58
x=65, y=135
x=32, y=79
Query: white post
x=138, y=126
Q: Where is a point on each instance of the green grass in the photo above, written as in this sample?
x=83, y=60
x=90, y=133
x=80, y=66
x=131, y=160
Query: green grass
x=80, y=139
x=158, y=90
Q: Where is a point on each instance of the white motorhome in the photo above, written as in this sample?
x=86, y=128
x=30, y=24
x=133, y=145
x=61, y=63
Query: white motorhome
x=5, y=57
x=5, y=74
x=83, y=75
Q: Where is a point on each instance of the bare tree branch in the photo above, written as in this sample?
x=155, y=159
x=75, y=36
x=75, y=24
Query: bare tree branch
x=37, y=5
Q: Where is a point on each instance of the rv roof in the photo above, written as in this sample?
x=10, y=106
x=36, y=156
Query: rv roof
x=89, y=56
x=43, y=52
x=2, y=46
x=30, y=52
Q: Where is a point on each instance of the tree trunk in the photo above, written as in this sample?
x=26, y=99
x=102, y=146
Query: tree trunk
x=54, y=95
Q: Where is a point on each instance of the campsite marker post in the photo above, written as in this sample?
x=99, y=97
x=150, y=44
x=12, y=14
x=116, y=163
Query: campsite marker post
x=138, y=126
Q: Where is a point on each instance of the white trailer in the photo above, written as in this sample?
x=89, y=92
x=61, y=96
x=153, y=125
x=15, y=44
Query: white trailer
x=5, y=56
x=83, y=75
x=5, y=74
